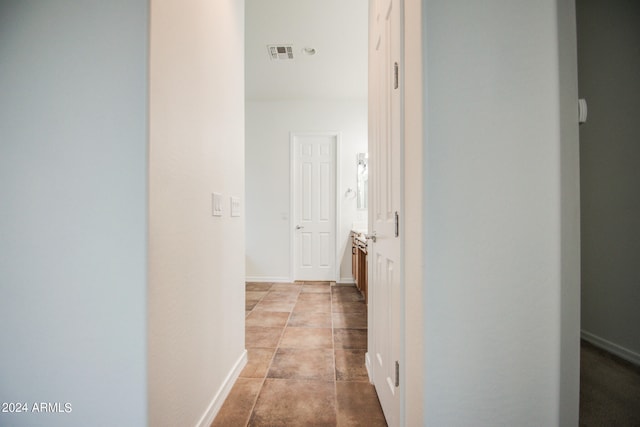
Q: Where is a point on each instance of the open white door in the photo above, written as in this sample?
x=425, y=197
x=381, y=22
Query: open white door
x=385, y=178
x=314, y=205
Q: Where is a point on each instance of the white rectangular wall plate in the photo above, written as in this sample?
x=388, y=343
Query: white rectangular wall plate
x=216, y=200
x=235, y=206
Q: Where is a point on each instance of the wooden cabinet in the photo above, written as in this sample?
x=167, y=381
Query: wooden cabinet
x=359, y=263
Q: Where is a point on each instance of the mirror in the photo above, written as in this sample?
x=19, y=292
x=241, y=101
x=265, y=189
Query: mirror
x=362, y=181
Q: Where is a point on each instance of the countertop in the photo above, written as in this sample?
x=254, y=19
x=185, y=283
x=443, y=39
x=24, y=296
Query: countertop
x=359, y=235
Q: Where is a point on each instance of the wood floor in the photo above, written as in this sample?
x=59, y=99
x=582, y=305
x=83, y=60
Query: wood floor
x=306, y=345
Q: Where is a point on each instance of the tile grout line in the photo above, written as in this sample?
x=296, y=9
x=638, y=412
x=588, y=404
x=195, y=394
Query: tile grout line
x=333, y=344
x=255, y=400
x=275, y=351
x=334, y=322
x=279, y=343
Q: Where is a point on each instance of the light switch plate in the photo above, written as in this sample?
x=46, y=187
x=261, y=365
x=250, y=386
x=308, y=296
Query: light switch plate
x=235, y=206
x=216, y=199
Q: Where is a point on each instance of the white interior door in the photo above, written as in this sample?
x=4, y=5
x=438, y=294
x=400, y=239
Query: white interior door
x=314, y=206
x=385, y=161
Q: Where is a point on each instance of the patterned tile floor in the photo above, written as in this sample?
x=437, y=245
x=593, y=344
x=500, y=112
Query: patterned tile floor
x=306, y=343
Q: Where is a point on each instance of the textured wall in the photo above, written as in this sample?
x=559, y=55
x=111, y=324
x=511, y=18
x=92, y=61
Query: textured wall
x=501, y=217
x=196, y=261
x=73, y=210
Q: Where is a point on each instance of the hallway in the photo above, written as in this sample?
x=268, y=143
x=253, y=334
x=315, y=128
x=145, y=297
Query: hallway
x=306, y=344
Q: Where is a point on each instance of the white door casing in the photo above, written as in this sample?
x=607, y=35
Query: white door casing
x=385, y=260
x=313, y=202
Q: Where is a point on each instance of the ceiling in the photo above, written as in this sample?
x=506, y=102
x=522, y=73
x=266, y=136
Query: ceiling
x=336, y=29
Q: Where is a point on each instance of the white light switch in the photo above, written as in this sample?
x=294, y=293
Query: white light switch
x=235, y=206
x=216, y=200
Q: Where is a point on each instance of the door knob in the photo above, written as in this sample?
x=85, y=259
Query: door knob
x=299, y=227
x=371, y=237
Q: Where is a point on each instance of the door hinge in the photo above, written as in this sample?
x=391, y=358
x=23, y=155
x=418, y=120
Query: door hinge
x=397, y=224
x=396, y=78
x=397, y=374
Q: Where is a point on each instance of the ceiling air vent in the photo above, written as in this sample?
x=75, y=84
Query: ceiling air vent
x=277, y=52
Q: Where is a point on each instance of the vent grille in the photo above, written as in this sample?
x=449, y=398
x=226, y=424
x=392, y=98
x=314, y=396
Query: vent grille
x=280, y=52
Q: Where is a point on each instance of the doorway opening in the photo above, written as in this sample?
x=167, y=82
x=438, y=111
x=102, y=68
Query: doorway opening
x=608, y=66
x=306, y=77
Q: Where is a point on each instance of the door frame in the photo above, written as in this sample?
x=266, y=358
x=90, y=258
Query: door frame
x=337, y=223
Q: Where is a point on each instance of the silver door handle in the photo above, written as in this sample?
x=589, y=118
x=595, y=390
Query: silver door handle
x=299, y=227
x=371, y=237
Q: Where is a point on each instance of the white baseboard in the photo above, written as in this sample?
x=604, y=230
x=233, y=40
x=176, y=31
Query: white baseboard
x=616, y=349
x=367, y=364
x=263, y=279
x=223, y=392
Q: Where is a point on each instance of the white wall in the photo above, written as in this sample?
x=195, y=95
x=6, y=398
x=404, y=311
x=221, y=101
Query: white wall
x=268, y=127
x=73, y=225
x=609, y=65
x=196, y=261
x=501, y=244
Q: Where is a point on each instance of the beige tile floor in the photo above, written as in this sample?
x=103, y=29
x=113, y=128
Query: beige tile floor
x=306, y=344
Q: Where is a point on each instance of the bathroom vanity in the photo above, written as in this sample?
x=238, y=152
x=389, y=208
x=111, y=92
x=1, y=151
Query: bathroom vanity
x=359, y=229
x=359, y=261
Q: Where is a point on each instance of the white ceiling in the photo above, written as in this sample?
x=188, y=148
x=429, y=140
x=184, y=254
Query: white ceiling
x=337, y=29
